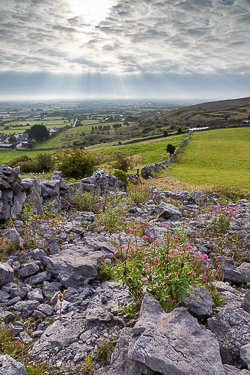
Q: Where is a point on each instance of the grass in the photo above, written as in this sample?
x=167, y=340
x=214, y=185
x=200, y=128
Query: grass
x=6, y=156
x=217, y=157
x=19, y=351
x=146, y=152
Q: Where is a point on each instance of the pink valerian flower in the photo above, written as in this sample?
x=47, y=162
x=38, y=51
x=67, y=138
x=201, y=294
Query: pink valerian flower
x=123, y=247
x=144, y=237
x=156, y=259
x=204, y=256
x=191, y=273
x=130, y=229
x=171, y=238
x=178, y=273
x=168, y=256
x=147, y=265
x=157, y=241
x=152, y=238
x=164, y=225
x=147, y=270
x=144, y=258
x=197, y=254
x=144, y=279
x=180, y=248
x=205, y=277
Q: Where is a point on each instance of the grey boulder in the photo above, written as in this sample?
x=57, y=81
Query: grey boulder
x=169, y=211
x=8, y=366
x=173, y=343
x=200, y=303
x=6, y=273
x=74, y=267
x=232, y=328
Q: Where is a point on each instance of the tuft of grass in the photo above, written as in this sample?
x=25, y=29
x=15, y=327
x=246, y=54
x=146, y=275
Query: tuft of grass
x=19, y=352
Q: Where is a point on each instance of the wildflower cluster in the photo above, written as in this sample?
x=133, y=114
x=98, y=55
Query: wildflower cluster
x=166, y=270
x=221, y=217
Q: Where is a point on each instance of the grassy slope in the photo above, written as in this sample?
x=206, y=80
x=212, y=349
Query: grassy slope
x=147, y=152
x=216, y=157
x=6, y=156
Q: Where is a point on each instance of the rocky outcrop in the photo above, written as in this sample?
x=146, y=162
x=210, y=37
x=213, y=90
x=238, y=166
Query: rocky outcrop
x=168, y=344
x=12, y=194
x=102, y=182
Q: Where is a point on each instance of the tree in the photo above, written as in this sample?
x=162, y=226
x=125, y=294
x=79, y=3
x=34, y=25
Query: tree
x=38, y=132
x=170, y=148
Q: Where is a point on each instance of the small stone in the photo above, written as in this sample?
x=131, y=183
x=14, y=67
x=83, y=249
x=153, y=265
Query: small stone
x=26, y=339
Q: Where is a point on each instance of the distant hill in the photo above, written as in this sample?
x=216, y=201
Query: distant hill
x=209, y=114
x=225, y=112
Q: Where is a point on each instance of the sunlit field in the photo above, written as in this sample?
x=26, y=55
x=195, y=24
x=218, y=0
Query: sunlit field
x=216, y=157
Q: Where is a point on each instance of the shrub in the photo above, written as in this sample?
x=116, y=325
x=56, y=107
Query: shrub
x=138, y=194
x=75, y=162
x=122, y=163
x=122, y=176
x=170, y=148
x=40, y=163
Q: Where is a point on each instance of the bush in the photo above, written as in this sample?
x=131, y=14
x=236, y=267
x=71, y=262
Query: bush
x=40, y=163
x=122, y=163
x=122, y=176
x=75, y=162
x=170, y=148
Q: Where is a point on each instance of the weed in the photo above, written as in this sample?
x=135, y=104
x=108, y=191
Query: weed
x=138, y=194
x=107, y=346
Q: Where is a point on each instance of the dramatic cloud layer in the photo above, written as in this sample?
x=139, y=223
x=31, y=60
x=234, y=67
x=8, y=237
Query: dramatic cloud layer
x=121, y=36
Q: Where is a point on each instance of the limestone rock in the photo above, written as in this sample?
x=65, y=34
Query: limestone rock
x=169, y=211
x=174, y=343
x=232, y=327
x=200, y=303
x=6, y=273
x=8, y=366
x=74, y=268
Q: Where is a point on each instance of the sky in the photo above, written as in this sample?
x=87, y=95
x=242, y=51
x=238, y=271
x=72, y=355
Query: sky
x=124, y=49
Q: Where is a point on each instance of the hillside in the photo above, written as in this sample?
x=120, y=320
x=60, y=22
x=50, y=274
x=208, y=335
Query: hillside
x=226, y=113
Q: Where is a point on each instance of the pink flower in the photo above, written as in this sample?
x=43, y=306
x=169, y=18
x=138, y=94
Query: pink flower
x=178, y=273
x=204, y=256
x=171, y=238
x=147, y=270
x=157, y=241
x=144, y=237
x=191, y=273
x=143, y=258
x=152, y=238
x=123, y=247
x=197, y=254
x=147, y=265
x=144, y=279
x=130, y=229
x=164, y=225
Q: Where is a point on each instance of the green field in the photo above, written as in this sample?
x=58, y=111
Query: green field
x=216, y=157
x=6, y=156
x=146, y=152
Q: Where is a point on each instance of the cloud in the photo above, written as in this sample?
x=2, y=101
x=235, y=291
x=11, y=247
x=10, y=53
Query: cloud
x=148, y=36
